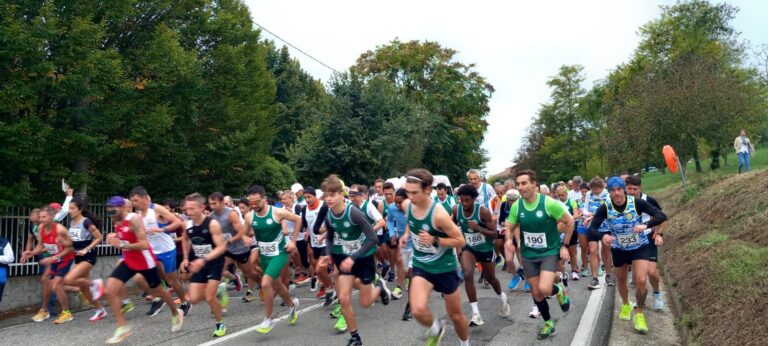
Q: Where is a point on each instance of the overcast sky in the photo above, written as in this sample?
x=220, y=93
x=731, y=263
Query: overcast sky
x=516, y=45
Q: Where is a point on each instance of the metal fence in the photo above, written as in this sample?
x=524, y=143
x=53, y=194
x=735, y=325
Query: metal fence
x=15, y=226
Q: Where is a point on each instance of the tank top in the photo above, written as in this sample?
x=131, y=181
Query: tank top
x=426, y=257
x=538, y=230
x=81, y=236
x=134, y=259
x=316, y=240
x=622, y=226
x=348, y=236
x=474, y=239
x=593, y=202
x=160, y=242
x=228, y=231
x=269, y=233
x=51, y=246
x=201, y=240
x=290, y=225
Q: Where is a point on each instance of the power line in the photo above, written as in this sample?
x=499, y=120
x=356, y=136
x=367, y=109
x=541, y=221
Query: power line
x=296, y=48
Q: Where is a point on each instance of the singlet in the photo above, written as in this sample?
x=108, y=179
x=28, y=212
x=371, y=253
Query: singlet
x=135, y=259
x=349, y=237
x=81, y=236
x=364, y=208
x=160, y=242
x=50, y=244
x=476, y=240
x=426, y=257
x=448, y=203
x=593, y=202
x=269, y=233
x=290, y=225
x=622, y=226
x=315, y=240
x=201, y=240
x=228, y=231
x=538, y=229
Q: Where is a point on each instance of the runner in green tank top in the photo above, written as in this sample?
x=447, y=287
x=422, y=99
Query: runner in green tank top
x=573, y=209
x=358, y=194
x=534, y=217
x=266, y=223
x=351, y=241
x=435, y=238
x=479, y=248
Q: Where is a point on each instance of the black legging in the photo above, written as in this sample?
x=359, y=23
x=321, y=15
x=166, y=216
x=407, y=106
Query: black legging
x=301, y=245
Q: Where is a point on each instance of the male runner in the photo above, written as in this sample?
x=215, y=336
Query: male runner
x=266, y=222
x=486, y=193
x=596, y=197
x=397, y=223
x=313, y=220
x=435, y=237
x=474, y=219
x=357, y=196
x=206, y=261
x=444, y=198
x=634, y=189
x=629, y=244
x=533, y=223
x=575, y=210
x=351, y=243
x=137, y=258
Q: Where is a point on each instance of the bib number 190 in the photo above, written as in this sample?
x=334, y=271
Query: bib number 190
x=535, y=240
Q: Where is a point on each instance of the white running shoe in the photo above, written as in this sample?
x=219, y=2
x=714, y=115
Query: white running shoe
x=99, y=314
x=476, y=320
x=534, y=312
x=504, y=311
x=658, y=301
x=97, y=289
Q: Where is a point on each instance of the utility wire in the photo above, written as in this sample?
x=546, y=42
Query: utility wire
x=296, y=48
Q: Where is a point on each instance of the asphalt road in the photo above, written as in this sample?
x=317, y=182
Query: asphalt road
x=379, y=325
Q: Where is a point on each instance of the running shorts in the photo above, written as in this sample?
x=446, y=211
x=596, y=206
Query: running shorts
x=480, y=256
x=168, y=259
x=317, y=252
x=445, y=283
x=211, y=271
x=274, y=265
x=239, y=258
x=532, y=267
x=363, y=269
x=59, y=269
x=123, y=273
x=622, y=257
x=89, y=257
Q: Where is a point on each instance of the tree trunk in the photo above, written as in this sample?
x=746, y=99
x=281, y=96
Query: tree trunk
x=697, y=161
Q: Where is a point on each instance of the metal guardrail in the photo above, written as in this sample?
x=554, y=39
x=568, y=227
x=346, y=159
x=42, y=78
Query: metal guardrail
x=15, y=226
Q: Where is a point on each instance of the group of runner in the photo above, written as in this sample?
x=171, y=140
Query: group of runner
x=341, y=238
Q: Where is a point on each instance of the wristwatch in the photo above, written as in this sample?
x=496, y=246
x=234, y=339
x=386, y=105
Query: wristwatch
x=436, y=242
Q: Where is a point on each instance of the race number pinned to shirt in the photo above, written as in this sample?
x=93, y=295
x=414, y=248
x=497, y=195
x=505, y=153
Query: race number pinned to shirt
x=316, y=240
x=535, y=240
x=269, y=249
x=52, y=249
x=474, y=239
x=628, y=240
x=424, y=248
x=201, y=250
x=350, y=246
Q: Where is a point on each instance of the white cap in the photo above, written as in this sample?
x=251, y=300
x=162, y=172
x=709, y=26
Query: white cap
x=296, y=187
x=513, y=194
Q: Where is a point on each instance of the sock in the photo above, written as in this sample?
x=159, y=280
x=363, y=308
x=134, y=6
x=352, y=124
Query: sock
x=464, y=342
x=435, y=328
x=354, y=335
x=544, y=309
x=248, y=292
x=555, y=290
x=501, y=297
x=219, y=324
x=126, y=301
x=475, y=310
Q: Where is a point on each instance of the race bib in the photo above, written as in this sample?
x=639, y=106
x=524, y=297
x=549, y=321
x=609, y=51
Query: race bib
x=52, y=249
x=270, y=249
x=316, y=240
x=474, y=239
x=424, y=248
x=535, y=240
x=74, y=233
x=380, y=231
x=350, y=246
x=201, y=250
x=628, y=240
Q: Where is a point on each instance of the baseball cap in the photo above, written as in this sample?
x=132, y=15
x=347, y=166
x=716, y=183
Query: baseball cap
x=116, y=201
x=310, y=190
x=55, y=205
x=296, y=187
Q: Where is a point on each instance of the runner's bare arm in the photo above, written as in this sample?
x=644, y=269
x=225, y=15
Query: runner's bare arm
x=62, y=237
x=96, y=238
x=137, y=227
x=173, y=221
x=284, y=215
x=444, y=223
x=220, y=245
x=242, y=231
x=487, y=218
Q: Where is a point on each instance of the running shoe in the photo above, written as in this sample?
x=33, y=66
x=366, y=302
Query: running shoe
x=185, y=308
x=397, y=293
x=41, y=316
x=476, y=320
x=248, y=297
x=514, y=282
x=527, y=287
x=626, y=311
x=575, y=276
x=385, y=294
x=64, y=316
x=407, y=313
x=355, y=341
x=658, y=301
x=238, y=284
x=434, y=340
x=97, y=289
x=563, y=298
x=265, y=326
x=391, y=276
x=640, y=325
x=219, y=330
x=548, y=330
x=294, y=314
x=330, y=298
x=499, y=261
x=504, y=310
x=384, y=270
x=291, y=286
x=320, y=293
x=127, y=307
x=594, y=285
x=610, y=281
x=302, y=279
x=99, y=314
x=341, y=325
x=313, y=285
x=336, y=313
x=121, y=333
x=585, y=272
x=154, y=309
x=565, y=279
x=535, y=313
x=177, y=321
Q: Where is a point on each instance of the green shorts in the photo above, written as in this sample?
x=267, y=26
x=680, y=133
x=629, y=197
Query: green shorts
x=272, y=266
